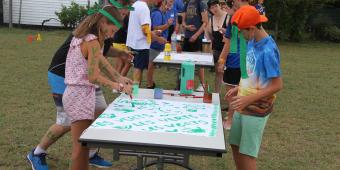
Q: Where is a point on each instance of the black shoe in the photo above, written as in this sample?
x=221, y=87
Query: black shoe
x=152, y=87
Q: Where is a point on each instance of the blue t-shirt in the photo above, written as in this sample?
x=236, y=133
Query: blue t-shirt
x=263, y=64
x=193, y=12
x=158, y=18
x=233, y=59
x=177, y=7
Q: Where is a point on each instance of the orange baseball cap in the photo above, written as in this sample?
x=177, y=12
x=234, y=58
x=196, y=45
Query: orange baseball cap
x=247, y=16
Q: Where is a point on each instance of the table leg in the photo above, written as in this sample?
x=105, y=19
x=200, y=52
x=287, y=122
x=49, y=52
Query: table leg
x=116, y=154
x=178, y=79
x=160, y=164
x=140, y=162
x=186, y=160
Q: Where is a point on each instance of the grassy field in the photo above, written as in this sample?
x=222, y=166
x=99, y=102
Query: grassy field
x=302, y=133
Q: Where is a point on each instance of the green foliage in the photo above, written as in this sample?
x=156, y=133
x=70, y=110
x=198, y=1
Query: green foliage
x=332, y=33
x=327, y=32
x=72, y=15
x=289, y=17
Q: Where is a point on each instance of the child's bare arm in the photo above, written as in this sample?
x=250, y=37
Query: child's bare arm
x=113, y=52
x=165, y=26
x=94, y=75
x=223, y=56
x=205, y=19
x=157, y=38
x=240, y=102
x=208, y=31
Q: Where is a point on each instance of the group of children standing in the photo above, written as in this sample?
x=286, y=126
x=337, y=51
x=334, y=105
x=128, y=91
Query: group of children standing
x=247, y=61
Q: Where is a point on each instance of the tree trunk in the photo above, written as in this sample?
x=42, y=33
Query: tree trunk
x=277, y=21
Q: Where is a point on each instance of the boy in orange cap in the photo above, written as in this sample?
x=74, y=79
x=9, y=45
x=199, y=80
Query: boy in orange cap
x=256, y=92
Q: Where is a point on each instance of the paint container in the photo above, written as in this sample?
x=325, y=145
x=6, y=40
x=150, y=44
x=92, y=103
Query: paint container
x=207, y=98
x=135, y=89
x=187, y=77
x=158, y=93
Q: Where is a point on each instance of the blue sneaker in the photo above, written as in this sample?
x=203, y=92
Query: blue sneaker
x=38, y=162
x=99, y=162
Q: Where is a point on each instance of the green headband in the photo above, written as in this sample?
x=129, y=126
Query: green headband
x=106, y=14
x=120, y=6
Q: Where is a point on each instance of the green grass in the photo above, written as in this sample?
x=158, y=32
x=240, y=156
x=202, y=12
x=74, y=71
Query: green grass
x=302, y=133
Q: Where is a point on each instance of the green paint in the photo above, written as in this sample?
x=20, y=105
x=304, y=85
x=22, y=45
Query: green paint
x=104, y=123
x=147, y=115
x=154, y=128
x=111, y=116
x=150, y=122
x=203, y=122
x=173, y=130
x=214, y=121
x=135, y=117
x=170, y=125
x=160, y=117
x=139, y=124
x=135, y=89
x=198, y=130
x=124, y=110
x=123, y=127
x=192, y=110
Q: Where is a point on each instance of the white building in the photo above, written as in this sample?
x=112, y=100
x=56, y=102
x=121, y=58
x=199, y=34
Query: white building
x=33, y=12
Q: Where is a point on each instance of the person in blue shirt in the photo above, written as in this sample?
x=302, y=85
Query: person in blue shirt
x=229, y=63
x=176, y=7
x=256, y=94
x=159, y=22
x=195, y=20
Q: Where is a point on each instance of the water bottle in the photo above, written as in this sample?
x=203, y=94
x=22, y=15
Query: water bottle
x=174, y=42
x=167, y=52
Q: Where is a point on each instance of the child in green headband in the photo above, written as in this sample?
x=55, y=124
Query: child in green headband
x=86, y=69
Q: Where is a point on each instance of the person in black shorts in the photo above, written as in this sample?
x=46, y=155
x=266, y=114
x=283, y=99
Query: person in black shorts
x=122, y=64
x=215, y=29
x=195, y=20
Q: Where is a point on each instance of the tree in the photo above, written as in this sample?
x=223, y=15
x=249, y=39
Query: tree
x=288, y=18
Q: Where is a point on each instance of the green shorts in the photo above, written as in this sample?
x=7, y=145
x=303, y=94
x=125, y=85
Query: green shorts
x=246, y=132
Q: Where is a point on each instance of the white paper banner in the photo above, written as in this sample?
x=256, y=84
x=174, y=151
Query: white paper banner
x=160, y=116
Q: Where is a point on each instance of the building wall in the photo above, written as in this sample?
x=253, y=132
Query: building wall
x=33, y=12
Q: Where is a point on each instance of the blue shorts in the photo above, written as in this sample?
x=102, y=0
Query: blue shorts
x=141, y=59
x=56, y=82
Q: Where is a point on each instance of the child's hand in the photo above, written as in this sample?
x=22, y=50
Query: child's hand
x=127, y=89
x=124, y=80
x=220, y=68
x=191, y=27
x=232, y=92
x=170, y=21
x=221, y=30
x=127, y=55
x=157, y=32
x=240, y=102
x=193, y=38
x=162, y=40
